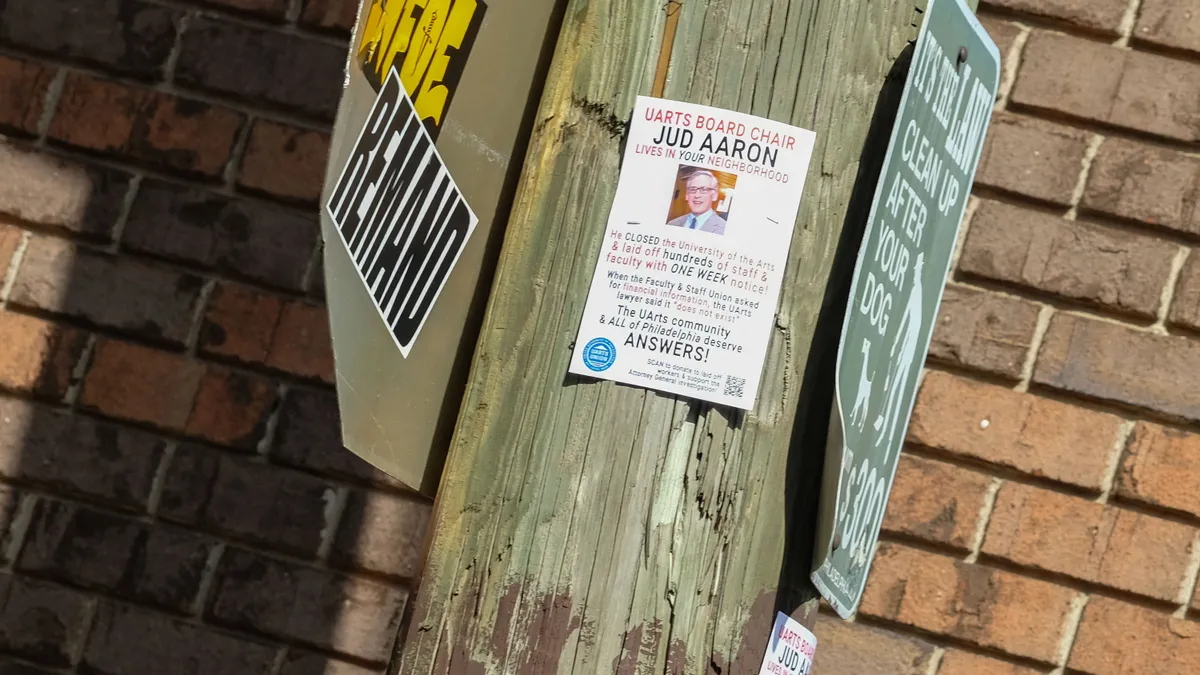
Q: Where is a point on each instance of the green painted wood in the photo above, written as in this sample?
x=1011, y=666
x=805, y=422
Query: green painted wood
x=588, y=527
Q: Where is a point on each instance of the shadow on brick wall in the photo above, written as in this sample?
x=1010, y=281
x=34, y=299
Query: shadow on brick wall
x=174, y=497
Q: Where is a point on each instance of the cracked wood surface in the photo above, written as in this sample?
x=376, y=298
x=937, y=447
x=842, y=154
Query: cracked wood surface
x=589, y=527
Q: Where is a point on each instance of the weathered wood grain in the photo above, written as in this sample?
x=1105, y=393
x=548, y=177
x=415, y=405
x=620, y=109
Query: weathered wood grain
x=588, y=527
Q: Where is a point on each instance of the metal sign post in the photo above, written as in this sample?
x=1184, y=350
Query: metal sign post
x=898, y=282
x=405, y=265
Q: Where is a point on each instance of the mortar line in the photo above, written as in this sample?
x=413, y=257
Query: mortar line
x=307, y=281
x=18, y=529
x=207, y=577
x=1011, y=64
x=1070, y=631
x=292, y=15
x=10, y=275
x=935, y=661
x=1188, y=588
x=968, y=217
x=1114, y=460
x=85, y=634
x=1035, y=346
x=263, y=448
x=118, y=231
x=986, y=510
x=237, y=155
x=1169, y=289
x=1128, y=23
x=75, y=388
x=50, y=104
x=192, y=344
x=1085, y=171
x=168, y=69
x=277, y=664
x=160, y=478
x=335, y=507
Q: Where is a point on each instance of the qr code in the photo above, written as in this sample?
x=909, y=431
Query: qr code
x=735, y=386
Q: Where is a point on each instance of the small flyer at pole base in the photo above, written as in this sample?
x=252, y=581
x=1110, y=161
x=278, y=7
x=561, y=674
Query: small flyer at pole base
x=791, y=649
x=690, y=270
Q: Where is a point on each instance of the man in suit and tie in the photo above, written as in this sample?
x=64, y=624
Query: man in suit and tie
x=702, y=194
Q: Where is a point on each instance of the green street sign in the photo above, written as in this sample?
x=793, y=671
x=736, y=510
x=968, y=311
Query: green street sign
x=898, y=282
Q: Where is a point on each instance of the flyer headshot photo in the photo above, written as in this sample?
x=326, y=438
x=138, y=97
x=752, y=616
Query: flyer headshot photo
x=702, y=199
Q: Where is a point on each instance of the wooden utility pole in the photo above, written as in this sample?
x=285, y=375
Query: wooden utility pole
x=590, y=527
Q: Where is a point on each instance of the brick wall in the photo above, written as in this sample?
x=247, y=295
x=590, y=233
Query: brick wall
x=173, y=494
x=173, y=498
x=1044, y=517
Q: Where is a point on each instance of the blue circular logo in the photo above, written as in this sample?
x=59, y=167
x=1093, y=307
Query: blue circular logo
x=599, y=354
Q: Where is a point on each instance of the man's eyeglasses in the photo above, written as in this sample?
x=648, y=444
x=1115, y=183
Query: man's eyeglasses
x=700, y=191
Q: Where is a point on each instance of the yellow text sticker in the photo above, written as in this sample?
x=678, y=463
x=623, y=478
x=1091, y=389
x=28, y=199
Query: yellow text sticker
x=428, y=42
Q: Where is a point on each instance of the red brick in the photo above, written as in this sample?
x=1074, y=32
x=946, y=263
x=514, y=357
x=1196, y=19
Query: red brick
x=143, y=301
x=141, y=384
x=1144, y=183
x=1070, y=75
x=1093, y=264
x=1028, y=433
x=236, y=237
x=38, y=356
x=130, y=36
x=1117, y=638
x=231, y=408
x=382, y=533
x=10, y=240
x=988, y=607
x=309, y=436
x=1170, y=23
x=984, y=331
x=41, y=622
x=1003, y=33
x=157, y=565
x=1115, y=363
x=249, y=500
x=285, y=161
x=145, y=125
x=301, y=603
x=115, y=110
x=272, y=8
x=187, y=135
x=1029, y=157
x=285, y=70
x=307, y=663
x=302, y=345
x=130, y=641
x=339, y=15
x=950, y=515
x=77, y=455
x=240, y=323
x=1093, y=81
x=956, y=662
x=1101, y=15
x=1096, y=543
x=10, y=500
x=23, y=87
x=44, y=190
x=11, y=667
x=854, y=648
x=1161, y=467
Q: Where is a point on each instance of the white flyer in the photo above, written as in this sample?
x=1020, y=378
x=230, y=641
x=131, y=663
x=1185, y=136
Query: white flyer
x=791, y=649
x=688, y=278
